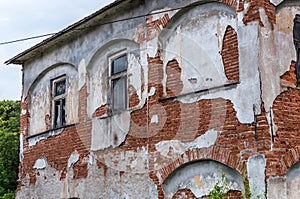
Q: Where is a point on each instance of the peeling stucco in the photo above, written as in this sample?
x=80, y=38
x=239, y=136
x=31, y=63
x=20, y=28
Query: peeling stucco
x=40, y=163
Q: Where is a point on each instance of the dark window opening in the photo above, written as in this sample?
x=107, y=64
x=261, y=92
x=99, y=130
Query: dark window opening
x=60, y=113
x=296, y=35
x=119, y=83
x=59, y=89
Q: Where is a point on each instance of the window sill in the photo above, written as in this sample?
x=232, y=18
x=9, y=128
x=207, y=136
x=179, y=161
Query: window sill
x=33, y=139
x=227, y=86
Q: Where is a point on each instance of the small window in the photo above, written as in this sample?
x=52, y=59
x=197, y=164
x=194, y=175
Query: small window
x=118, y=83
x=59, y=90
x=297, y=46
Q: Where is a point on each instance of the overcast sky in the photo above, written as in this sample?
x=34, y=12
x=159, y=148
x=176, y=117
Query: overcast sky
x=26, y=18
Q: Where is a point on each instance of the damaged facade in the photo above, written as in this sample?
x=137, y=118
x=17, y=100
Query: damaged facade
x=159, y=99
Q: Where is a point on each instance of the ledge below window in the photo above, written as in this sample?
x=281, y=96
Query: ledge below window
x=33, y=139
x=227, y=86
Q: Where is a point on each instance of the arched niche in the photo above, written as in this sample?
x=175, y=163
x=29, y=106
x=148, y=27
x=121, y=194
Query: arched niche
x=200, y=177
x=194, y=37
x=293, y=181
x=98, y=70
x=40, y=98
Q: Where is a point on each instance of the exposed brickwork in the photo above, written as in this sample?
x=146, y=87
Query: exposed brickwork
x=174, y=83
x=24, y=118
x=184, y=194
x=253, y=13
x=179, y=121
x=286, y=150
x=133, y=97
x=102, y=110
x=56, y=150
x=289, y=79
x=230, y=55
x=154, y=27
x=237, y=4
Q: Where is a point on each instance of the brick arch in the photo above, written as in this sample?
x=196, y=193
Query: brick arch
x=215, y=153
x=170, y=23
x=200, y=169
x=290, y=160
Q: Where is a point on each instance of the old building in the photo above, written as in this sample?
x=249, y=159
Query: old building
x=160, y=99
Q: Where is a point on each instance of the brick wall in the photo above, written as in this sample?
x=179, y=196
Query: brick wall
x=183, y=121
x=230, y=55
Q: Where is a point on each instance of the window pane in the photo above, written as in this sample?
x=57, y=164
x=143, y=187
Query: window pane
x=63, y=111
x=119, y=65
x=60, y=87
x=119, y=94
x=57, y=119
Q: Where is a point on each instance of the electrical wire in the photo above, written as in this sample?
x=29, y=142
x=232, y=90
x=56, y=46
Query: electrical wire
x=100, y=24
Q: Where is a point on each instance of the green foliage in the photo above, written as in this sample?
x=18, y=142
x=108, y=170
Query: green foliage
x=220, y=189
x=9, y=147
x=9, y=195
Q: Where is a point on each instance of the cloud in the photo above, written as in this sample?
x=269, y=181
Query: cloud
x=21, y=19
x=3, y=19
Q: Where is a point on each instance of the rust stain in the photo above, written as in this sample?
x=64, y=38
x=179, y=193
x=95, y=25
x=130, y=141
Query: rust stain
x=285, y=22
x=198, y=182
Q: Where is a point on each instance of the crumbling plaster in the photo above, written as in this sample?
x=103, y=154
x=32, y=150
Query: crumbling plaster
x=200, y=177
x=100, y=183
x=182, y=41
x=93, y=72
x=40, y=97
x=275, y=40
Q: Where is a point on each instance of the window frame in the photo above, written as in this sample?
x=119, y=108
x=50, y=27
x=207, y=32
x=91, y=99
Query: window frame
x=114, y=77
x=296, y=38
x=58, y=98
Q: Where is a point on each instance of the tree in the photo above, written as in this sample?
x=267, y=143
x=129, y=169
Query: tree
x=9, y=146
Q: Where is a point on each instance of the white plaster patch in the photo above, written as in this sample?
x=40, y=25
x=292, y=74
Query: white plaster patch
x=33, y=140
x=277, y=188
x=111, y=131
x=24, y=111
x=206, y=140
x=91, y=160
x=256, y=167
x=40, y=163
x=82, y=74
x=136, y=74
x=154, y=119
x=276, y=2
x=73, y=159
x=170, y=148
x=151, y=92
x=21, y=153
x=174, y=148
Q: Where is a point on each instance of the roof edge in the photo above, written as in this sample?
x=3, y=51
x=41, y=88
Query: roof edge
x=14, y=60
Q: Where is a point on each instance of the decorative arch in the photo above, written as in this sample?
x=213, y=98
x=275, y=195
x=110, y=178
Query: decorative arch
x=200, y=176
x=293, y=181
x=39, y=95
x=174, y=21
x=45, y=72
x=194, y=36
x=215, y=153
x=108, y=49
x=97, y=70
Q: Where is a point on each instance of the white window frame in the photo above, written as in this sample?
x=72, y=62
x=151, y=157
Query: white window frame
x=119, y=75
x=60, y=98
